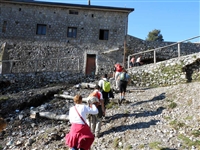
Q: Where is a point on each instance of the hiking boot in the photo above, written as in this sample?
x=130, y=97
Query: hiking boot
x=103, y=118
x=98, y=135
x=119, y=102
x=123, y=99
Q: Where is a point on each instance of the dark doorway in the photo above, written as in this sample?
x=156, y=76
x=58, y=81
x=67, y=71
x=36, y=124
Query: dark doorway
x=91, y=64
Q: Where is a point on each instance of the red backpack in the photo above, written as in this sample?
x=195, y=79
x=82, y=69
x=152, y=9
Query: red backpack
x=118, y=67
x=95, y=94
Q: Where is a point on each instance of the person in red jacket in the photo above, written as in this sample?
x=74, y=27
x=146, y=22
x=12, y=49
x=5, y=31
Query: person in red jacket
x=117, y=69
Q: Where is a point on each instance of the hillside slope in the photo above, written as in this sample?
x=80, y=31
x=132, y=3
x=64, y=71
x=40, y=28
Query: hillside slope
x=150, y=118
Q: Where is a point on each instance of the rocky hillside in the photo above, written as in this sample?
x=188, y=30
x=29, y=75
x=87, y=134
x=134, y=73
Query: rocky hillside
x=163, y=118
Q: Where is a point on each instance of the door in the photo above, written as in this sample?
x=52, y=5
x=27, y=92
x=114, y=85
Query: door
x=91, y=64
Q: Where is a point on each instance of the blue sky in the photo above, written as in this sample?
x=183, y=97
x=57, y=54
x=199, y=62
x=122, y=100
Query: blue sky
x=176, y=19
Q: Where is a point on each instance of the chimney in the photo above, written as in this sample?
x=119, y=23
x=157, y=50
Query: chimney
x=88, y=2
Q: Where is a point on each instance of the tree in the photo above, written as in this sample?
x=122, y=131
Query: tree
x=155, y=36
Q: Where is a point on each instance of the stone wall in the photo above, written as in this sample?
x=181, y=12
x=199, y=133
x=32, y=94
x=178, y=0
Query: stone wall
x=51, y=56
x=56, y=58
x=173, y=71
x=135, y=45
x=19, y=21
x=22, y=81
x=55, y=51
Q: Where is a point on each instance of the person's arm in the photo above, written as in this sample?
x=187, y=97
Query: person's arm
x=70, y=115
x=92, y=109
x=129, y=79
x=102, y=103
x=114, y=71
x=102, y=106
x=99, y=83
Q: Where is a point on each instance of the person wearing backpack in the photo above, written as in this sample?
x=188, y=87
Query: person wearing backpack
x=117, y=70
x=104, y=84
x=124, y=80
x=95, y=121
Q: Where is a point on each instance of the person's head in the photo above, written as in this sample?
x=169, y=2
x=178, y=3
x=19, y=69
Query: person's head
x=97, y=87
x=124, y=70
x=78, y=99
x=105, y=76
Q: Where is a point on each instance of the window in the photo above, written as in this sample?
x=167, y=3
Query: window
x=73, y=12
x=103, y=34
x=41, y=29
x=4, y=27
x=71, y=32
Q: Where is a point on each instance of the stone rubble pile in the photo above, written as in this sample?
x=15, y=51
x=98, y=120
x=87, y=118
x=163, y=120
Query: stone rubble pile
x=149, y=118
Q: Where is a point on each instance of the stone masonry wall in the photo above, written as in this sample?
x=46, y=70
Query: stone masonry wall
x=52, y=56
x=135, y=45
x=37, y=53
x=173, y=71
x=56, y=58
x=20, y=22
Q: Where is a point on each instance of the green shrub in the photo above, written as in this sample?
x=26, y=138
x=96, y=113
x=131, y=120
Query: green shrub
x=129, y=147
x=110, y=105
x=172, y=105
x=3, y=98
x=177, y=125
x=189, y=142
x=196, y=133
x=154, y=145
x=116, y=142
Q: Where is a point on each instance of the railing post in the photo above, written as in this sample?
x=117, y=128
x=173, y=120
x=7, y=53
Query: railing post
x=78, y=65
x=36, y=64
x=154, y=56
x=57, y=60
x=128, y=61
x=179, y=49
x=11, y=66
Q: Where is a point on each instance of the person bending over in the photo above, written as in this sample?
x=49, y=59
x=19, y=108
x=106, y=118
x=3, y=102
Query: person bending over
x=80, y=137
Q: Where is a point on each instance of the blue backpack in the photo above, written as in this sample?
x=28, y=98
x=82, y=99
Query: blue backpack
x=122, y=76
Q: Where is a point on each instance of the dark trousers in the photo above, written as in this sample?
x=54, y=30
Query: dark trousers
x=105, y=97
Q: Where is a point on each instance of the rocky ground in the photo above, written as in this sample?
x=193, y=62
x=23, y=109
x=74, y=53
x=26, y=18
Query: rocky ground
x=163, y=118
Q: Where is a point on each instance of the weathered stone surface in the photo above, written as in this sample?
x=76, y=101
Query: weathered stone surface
x=170, y=72
x=146, y=119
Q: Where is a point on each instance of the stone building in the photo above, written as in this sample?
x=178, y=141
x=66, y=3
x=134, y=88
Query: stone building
x=46, y=36
x=58, y=42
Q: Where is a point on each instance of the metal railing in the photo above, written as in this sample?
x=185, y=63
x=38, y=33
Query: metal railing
x=159, y=48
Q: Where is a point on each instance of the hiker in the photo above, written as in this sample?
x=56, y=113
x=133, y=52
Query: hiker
x=104, y=85
x=80, y=136
x=95, y=121
x=3, y=124
x=124, y=80
x=132, y=62
x=138, y=61
x=117, y=70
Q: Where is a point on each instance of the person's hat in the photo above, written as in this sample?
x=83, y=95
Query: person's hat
x=92, y=99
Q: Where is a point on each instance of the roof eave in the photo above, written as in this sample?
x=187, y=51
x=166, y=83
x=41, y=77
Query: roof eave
x=75, y=6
